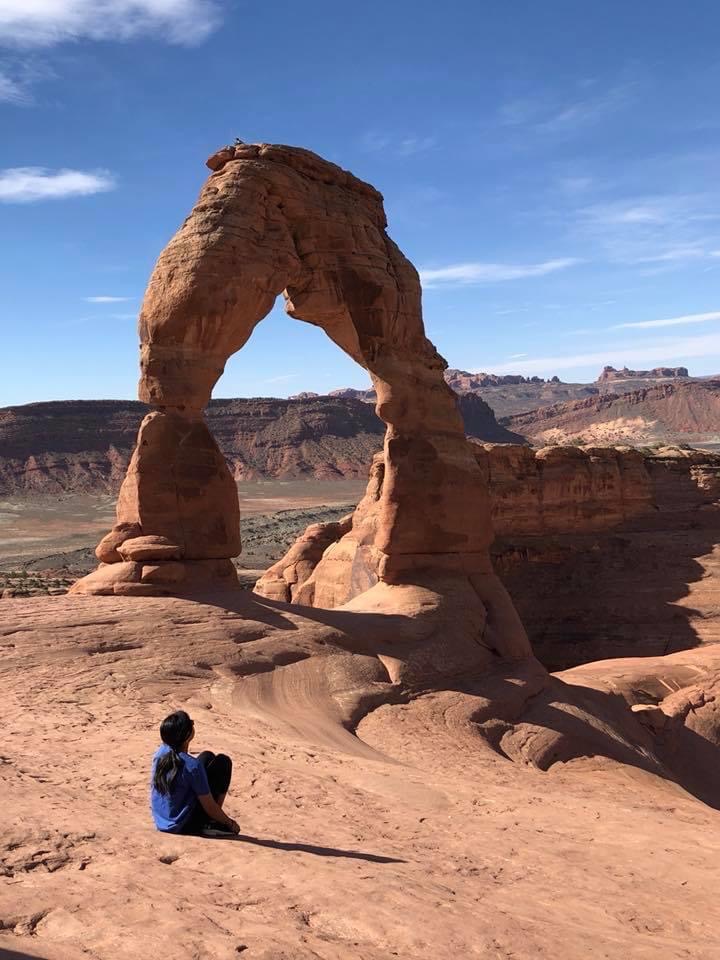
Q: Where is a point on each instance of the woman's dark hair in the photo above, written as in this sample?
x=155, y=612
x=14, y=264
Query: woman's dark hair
x=174, y=731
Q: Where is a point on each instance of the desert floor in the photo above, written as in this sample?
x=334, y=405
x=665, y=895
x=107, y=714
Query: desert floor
x=47, y=542
x=406, y=840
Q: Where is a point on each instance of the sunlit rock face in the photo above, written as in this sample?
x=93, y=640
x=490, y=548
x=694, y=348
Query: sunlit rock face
x=271, y=220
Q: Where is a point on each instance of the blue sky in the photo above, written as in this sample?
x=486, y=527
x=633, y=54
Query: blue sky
x=551, y=168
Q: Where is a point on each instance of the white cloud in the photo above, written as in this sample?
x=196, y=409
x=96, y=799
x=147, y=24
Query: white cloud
x=470, y=273
x=30, y=184
x=670, y=322
x=576, y=185
x=652, y=210
x=43, y=23
x=107, y=299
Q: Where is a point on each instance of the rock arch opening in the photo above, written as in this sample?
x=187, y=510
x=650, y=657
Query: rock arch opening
x=274, y=220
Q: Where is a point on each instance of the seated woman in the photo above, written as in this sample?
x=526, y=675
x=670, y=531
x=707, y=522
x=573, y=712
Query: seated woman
x=187, y=793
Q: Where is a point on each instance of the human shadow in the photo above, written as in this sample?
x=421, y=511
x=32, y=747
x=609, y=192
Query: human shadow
x=310, y=848
x=17, y=955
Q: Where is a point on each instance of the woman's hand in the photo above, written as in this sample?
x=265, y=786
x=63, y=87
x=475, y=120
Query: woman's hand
x=233, y=825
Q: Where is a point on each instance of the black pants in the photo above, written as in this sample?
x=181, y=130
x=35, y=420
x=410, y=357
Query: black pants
x=219, y=773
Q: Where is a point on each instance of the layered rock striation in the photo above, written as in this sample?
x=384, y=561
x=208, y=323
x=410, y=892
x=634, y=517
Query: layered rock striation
x=687, y=410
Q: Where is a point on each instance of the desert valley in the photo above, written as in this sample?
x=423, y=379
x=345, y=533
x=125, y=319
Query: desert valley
x=466, y=657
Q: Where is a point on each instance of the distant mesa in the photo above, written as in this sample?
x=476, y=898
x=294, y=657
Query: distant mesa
x=461, y=381
x=674, y=409
x=75, y=446
x=657, y=373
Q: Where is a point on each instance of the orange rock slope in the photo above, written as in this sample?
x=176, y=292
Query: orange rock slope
x=508, y=814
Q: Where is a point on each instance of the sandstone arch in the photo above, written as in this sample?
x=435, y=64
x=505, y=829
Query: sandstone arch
x=273, y=219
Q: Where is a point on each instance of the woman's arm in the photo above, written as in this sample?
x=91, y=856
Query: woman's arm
x=215, y=812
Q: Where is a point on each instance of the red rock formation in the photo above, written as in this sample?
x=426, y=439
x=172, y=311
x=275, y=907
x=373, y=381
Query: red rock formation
x=558, y=490
x=271, y=220
x=657, y=373
x=682, y=410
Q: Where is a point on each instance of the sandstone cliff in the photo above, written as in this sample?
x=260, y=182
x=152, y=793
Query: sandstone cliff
x=85, y=445
x=605, y=552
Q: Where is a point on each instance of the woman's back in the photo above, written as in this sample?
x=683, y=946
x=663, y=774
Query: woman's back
x=170, y=810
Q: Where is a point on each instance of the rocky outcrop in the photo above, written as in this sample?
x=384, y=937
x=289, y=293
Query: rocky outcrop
x=605, y=552
x=270, y=220
x=686, y=411
x=462, y=381
x=555, y=491
x=657, y=373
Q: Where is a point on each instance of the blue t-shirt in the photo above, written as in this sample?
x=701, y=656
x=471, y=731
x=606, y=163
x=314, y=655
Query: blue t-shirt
x=171, y=810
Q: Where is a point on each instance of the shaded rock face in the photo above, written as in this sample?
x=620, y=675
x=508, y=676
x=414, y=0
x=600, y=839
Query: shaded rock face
x=559, y=490
x=271, y=220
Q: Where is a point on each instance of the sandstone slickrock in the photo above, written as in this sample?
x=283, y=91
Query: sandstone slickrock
x=506, y=814
x=274, y=219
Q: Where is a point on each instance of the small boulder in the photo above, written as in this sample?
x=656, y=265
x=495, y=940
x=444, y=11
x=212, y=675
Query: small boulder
x=107, y=550
x=169, y=571
x=149, y=548
x=104, y=580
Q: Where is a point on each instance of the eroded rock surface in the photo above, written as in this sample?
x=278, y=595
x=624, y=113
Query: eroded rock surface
x=270, y=220
x=556, y=490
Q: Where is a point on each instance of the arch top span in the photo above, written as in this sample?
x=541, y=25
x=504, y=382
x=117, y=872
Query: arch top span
x=270, y=220
x=273, y=219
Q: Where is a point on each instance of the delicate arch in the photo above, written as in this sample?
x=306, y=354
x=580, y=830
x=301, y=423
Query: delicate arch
x=269, y=220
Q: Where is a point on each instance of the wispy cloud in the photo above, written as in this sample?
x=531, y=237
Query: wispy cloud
x=670, y=351
x=374, y=141
x=551, y=115
x=665, y=230
x=472, y=273
x=688, y=318
x=282, y=378
x=105, y=299
x=43, y=23
x=31, y=184
x=12, y=90
x=660, y=209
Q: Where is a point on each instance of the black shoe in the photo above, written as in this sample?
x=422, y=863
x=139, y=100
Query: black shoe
x=213, y=829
